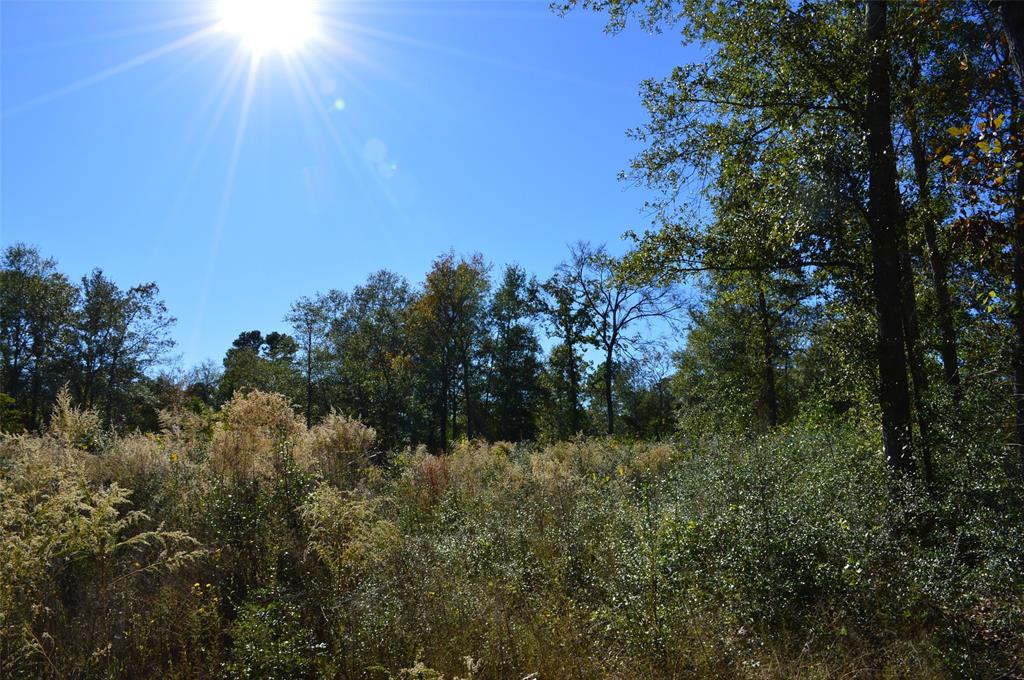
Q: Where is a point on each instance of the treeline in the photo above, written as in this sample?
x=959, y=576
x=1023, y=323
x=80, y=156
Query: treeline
x=861, y=181
x=858, y=245
x=98, y=339
x=458, y=356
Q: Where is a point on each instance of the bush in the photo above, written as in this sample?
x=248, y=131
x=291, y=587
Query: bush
x=338, y=449
x=257, y=428
x=75, y=563
x=271, y=642
x=792, y=554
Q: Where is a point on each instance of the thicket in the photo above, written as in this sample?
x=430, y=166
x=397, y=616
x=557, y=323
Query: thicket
x=239, y=543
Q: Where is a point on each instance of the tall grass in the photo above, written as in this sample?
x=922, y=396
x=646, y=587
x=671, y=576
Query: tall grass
x=241, y=544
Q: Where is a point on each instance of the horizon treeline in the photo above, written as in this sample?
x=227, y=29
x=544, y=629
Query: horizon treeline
x=848, y=206
x=459, y=355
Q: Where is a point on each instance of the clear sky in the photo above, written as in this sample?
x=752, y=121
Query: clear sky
x=146, y=139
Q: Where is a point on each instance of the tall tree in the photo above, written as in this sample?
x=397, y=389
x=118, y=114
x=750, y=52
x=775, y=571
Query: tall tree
x=615, y=308
x=1011, y=16
x=814, y=100
x=371, y=353
x=35, y=310
x=513, y=359
x=448, y=322
x=311, y=320
x=566, y=367
x=116, y=337
x=884, y=212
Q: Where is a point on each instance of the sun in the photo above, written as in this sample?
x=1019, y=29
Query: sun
x=270, y=25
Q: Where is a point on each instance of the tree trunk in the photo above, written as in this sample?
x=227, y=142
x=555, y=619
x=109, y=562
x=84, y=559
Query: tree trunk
x=1012, y=15
x=444, y=414
x=35, y=416
x=574, y=391
x=883, y=216
x=309, y=384
x=1017, y=312
x=468, y=395
x=912, y=339
x=771, y=397
x=937, y=259
x=609, y=367
x=915, y=356
x=1011, y=12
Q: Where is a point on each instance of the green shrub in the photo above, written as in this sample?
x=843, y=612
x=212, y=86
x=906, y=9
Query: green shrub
x=270, y=641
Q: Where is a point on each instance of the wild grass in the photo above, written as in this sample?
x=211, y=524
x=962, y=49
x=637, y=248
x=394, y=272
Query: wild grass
x=242, y=544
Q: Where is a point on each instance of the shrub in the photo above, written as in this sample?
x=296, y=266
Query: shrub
x=784, y=555
x=271, y=642
x=338, y=449
x=257, y=428
x=72, y=554
x=74, y=428
x=349, y=534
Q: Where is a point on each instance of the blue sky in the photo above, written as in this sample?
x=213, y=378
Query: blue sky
x=408, y=128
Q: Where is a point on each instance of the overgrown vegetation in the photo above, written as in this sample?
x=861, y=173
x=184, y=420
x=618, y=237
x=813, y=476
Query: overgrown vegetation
x=171, y=555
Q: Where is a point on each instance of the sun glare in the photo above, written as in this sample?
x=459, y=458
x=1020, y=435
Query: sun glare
x=269, y=25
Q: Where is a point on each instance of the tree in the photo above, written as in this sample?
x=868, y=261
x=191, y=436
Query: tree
x=566, y=368
x=645, y=394
x=258, y=362
x=116, y=337
x=35, y=310
x=813, y=105
x=742, y=350
x=513, y=363
x=614, y=308
x=201, y=382
x=447, y=320
x=311, y=320
x=884, y=216
x=371, y=358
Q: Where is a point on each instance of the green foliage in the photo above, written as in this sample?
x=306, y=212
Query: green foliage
x=371, y=370
x=513, y=375
x=781, y=555
x=764, y=537
x=258, y=362
x=76, y=561
x=270, y=641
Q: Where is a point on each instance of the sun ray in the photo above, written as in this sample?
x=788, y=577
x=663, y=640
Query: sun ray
x=223, y=92
x=134, y=31
x=89, y=81
x=326, y=58
x=208, y=49
x=345, y=150
x=304, y=106
x=397, y=38
x=225, y=199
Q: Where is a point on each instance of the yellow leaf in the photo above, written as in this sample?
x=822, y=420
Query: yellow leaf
x=947, y=159
x=983, y=145
x=955, y=131
x=997, y=122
